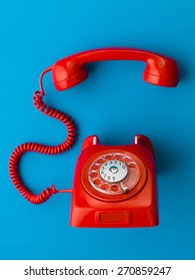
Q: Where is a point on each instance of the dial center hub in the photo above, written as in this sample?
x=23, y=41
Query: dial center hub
x=113, y=169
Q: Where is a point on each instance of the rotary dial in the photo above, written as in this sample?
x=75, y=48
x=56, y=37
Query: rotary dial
x=114, y=174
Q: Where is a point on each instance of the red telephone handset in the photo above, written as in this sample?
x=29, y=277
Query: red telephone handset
x=113, y=186
x=69, y=71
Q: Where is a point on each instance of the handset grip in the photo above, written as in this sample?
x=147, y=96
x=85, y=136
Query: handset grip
x=159, y=70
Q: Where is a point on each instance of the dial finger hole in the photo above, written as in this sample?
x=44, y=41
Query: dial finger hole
x=93, y=174
x=114, y=188
x=97, y=181
x=118, y=157
x=126, y=159
x=105, y=187
x=108, y=157
x=95, y=167
x=100, y=160
x=131, y=165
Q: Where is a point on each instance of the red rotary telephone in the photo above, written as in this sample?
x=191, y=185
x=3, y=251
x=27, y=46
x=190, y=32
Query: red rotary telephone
x=114, y=186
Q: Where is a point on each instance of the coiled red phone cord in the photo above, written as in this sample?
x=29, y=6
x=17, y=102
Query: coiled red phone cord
x=42, y=149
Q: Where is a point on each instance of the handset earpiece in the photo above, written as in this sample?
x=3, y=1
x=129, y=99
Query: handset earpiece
x=67, y=73
x=159, y=70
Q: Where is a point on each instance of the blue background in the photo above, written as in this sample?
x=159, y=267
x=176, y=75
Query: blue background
x=113, y=103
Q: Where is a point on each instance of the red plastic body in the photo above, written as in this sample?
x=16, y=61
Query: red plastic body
x=70, y=71
x=138, y=208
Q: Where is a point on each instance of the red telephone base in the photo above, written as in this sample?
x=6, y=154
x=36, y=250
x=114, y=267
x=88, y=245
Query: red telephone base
x=98, y=201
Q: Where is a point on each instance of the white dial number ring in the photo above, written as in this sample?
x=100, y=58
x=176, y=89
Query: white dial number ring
x=113, y=171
